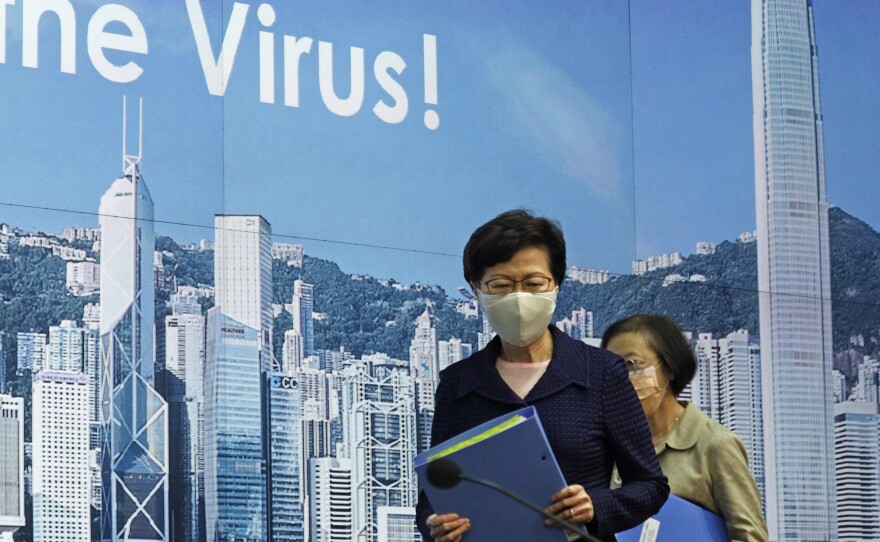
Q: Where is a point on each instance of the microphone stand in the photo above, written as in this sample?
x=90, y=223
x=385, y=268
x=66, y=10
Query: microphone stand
x=582, y=535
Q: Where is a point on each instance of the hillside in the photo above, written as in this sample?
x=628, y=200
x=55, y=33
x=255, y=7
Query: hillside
x=727, y=301
x=365, y=315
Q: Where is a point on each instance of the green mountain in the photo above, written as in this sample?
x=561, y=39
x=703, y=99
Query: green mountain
x=363, y=314
x=725, y=302
x=728, y=300
x=855, y=281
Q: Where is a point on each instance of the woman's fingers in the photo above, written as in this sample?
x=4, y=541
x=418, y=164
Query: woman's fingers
x=447, y=527
x=571, y=504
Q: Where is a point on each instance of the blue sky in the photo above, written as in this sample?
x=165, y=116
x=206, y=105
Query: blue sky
x=639, y=140
x=692, y=128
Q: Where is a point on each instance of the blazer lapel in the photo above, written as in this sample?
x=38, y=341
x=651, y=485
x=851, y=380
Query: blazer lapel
x=483, y=379
x=566, y=367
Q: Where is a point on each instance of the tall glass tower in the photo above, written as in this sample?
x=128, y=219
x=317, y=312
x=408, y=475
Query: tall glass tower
x=794, y=275
x=238, y=351
x=134, y=457
x=285, y=478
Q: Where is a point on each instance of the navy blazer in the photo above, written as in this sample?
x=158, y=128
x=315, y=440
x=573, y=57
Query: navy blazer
x=591, y=416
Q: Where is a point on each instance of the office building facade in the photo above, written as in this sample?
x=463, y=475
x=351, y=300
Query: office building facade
x=12, y=513
x=184, y=392
x=857, y=470
x=62, y=483
x=398, y=524
x=134, y=452
x=423, y=356
x=30, y=351
x=65, y=350
x=331, y=507
x=235, y=467
x=740, y=409
x=303, y=308
x=380, y=439
x=794, y=272
x=238, y=361
x=285, y=476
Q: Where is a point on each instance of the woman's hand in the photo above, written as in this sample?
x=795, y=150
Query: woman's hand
x=572, y=504
x=447, y=527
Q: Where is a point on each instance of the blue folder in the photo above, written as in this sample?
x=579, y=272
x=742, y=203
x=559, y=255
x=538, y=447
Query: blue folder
x=519, y=459
x=678, y=520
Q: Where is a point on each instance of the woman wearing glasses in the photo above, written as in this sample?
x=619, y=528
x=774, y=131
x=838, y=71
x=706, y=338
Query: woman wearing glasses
x=590, y=412
x=705, y=462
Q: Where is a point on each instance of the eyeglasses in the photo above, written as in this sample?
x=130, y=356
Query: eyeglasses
x=638, y=365
x=532, y=285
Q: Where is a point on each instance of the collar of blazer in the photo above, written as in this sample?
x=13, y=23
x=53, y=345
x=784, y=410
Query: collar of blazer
x=687, y=431
x=568, y=366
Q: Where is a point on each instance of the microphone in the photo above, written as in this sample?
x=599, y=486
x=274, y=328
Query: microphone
x=444, y=473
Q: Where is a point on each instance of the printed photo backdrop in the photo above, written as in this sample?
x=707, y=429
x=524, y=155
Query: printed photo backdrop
x=373, y=139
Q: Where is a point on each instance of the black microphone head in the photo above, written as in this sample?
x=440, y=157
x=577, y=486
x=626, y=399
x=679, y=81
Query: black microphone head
x=444, y=473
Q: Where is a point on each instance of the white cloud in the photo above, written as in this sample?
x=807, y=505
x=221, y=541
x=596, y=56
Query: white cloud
x=563, y=123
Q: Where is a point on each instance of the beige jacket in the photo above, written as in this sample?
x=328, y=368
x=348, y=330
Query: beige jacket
x=706, y=464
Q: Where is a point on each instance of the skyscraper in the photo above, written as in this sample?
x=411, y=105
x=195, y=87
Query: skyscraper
x=380, y=439
x=579, y=326
x=486, y=332
x=184, y=391
x=857, y=466
x=424, y=407
x=285, y=477
x=243, y=275
x=423, y=348
x=292, y=351
x=314, y=441
x=134, y=452
x=398, y=524
x=235, y=467
x=92, y=369
x=794, y=274
x=703, y=390
x=331, y=509
x=238, y=360
x=65, y=349
x=11, y=466
x=303, y=306
x=739, y=368
x=61, y=476
x=448, y=352
x=30, y=351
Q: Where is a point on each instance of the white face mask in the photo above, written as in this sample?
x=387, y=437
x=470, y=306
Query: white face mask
x=519, y=318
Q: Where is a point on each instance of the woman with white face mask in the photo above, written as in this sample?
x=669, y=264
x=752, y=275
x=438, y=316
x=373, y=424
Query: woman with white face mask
x=591, y=415
x=705, y=462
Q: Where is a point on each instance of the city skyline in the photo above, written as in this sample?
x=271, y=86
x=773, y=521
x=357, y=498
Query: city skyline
x=731, y=399
x=204, y=402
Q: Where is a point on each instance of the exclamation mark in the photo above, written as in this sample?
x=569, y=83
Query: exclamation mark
x=432, y=119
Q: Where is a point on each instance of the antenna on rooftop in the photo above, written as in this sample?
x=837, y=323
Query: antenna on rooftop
x=131, y=162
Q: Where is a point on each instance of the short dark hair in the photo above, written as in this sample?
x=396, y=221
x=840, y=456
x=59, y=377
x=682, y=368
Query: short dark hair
x=666, y=338
x=498, y=240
